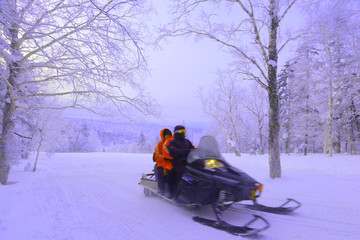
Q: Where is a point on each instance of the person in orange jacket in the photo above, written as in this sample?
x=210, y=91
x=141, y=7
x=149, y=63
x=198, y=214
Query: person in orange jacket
x=168, y=172
x=165, y=149
x=162, y=165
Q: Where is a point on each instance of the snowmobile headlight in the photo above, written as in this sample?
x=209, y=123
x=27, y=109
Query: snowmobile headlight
x=256, y=193
x=213, y=163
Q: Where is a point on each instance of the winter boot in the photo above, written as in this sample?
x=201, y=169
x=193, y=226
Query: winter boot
x=167, y=191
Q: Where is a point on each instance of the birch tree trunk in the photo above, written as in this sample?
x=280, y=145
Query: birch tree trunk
x=9, y=106
x=6, y=138
x=306, y=141
x=330, y=120
x=274, y=126
x=288, y=138
x=328, y=141
x=260, y=135
x=38, y=149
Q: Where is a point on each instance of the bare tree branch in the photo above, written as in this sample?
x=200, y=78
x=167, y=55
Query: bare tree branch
x=258, y=40
x=287, y=10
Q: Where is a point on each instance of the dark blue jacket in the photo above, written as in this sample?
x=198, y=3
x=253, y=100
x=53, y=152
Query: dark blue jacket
x=179, y=149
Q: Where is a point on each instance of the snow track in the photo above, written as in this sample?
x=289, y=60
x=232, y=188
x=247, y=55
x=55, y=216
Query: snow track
x=95, y=196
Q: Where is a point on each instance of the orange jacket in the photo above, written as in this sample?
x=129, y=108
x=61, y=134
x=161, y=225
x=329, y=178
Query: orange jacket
x=159, y=154
x=165, y=149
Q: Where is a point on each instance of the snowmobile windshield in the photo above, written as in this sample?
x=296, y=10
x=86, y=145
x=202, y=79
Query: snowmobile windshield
x=207, y=148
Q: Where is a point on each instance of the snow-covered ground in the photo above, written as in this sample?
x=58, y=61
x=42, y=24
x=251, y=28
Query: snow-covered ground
x=97, y=196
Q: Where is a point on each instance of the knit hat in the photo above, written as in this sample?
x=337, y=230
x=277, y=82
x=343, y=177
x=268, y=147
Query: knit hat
x=177, y=128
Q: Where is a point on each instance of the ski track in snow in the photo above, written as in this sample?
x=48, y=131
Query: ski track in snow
x=95, y=196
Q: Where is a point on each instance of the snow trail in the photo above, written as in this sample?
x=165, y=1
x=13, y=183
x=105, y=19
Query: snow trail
x=96, y=196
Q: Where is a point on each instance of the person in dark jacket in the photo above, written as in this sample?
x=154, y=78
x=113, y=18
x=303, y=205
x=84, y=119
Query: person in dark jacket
x=179, y=148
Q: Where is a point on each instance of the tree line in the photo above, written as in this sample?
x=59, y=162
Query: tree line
x=318, y=88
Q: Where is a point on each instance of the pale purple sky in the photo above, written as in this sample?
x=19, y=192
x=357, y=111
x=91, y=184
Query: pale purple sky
x=177, y=73
x=179, y=70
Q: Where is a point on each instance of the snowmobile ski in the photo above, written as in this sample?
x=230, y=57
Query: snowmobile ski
x=245, y=230
x=282, y=209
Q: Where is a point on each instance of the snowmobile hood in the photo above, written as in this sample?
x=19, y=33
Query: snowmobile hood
x=207, y=148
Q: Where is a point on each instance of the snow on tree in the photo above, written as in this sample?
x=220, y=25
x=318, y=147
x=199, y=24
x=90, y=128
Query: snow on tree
x=87, y=53
x=141, y=144
x=83, y=139
x=221, y=104
x=304, y=106
x=334, y=37
x=319, y=88
x=284, y=105
x=255, y=101
x=238, y=112
x=252, y=37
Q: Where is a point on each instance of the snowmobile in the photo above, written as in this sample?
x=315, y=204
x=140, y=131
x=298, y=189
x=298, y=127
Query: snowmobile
x=210, y=180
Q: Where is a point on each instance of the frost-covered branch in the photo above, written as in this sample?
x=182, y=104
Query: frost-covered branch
x=58, y=54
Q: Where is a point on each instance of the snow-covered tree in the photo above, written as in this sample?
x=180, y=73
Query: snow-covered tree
x=141, y=144
x=252, y=37
x=347, y=64
x=334, y=32
x=221, y=104
x=88, y=53
x=284, y=86
x=255, y=101
x=318, y=88
x=305, y=106
x=79, y=139
x=238, y=113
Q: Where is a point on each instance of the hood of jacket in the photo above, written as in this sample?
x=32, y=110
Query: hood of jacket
x=165, y=132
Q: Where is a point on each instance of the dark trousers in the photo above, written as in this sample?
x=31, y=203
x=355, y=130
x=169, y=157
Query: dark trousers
x=165, y=182
x=170, y=181
x=160, y=178
x=178, y=171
